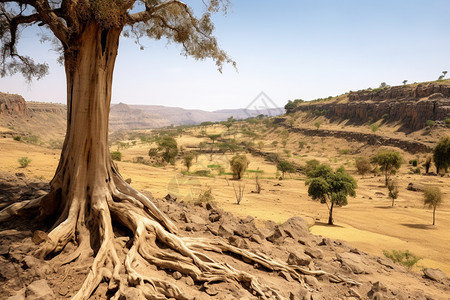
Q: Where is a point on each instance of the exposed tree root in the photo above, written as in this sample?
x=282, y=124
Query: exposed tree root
x=154, y=240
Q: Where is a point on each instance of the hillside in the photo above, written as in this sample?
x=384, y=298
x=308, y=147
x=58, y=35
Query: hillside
x=411, y=106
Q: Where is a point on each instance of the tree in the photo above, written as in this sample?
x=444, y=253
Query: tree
x=214, y=137
x=169, y=147
x=383, y=85
x=441, y=154
x=389, y=162
x=404, y=82
x=427, y=164
x=393, y=190
x=363, y=165
x=317, y=124
x=285, y=167
x=188, y=157
x=238, y=164
x=432, y=197
x=331, y=186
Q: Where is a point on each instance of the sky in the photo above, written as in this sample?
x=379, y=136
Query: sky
x=288, y=49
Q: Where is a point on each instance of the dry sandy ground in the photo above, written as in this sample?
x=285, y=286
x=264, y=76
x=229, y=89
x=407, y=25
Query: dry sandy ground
x=368, y=222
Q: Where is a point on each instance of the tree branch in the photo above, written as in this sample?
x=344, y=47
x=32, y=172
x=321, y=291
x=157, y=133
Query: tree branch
x=146, y=15
x=49, y=17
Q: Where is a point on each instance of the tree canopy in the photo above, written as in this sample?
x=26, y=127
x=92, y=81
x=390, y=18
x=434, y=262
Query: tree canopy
x=389, y=162
x=441, y=154
x=327, y=185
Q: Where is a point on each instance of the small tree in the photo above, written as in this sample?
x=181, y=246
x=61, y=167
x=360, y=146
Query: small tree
x=441, y=154
x=260, y=145
x=116, y=155
x=24, y=161
x=239, y=164
x=317, y=124
x=214, y=137
x=331, y=186
x=404, y=82
x=427, y=164
x=239, y=192
x=389, y=162
x=393, y=190
x=432, y=197
x=285, y=167
x=363, y=165
x=169, y=147
x=188, y=157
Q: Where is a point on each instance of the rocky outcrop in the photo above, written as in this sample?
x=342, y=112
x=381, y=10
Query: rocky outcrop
x=11, y=104
x=412, y=105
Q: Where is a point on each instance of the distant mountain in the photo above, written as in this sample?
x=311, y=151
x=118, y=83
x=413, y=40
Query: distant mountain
x=124, y=116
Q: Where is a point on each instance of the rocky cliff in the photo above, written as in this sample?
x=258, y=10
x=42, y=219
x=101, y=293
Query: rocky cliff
x=11, y=104
x=412, y=105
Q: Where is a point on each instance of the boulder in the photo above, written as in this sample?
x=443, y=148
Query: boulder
x=435, y=274
x=415, y=187
x=352, y=261
x=225, y=231
x=298, y=258
x=39, y=290
x=314, y=252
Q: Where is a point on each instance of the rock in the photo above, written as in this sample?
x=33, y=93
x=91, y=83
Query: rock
x=4, y=250
x=177, y=275
x=377, y=291
x=277, y=236
x=20, y=175
x=236, y=241
x=40, y=267
x=39, y=290
x=170, y=197
x=211, y=229
x=435, y=274
x=256, y=238
x=189, y=281
x=298, y=258
x=128, y=180
x=214, y=216
x=352, y=261
x=353, y=293
x=314, y=252
x=244, y=230
x=248, y=219
x=130, y=293
x=386, y=262
x=225, y=231
x=312, y=281
x=295, y=227
x=39, y=237
x=197, y=220
x=270, y=225
x=286, y=276
x=325, y=242
x=20, y=295
x=415, y=187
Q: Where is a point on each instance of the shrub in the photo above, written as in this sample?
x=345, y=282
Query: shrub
x=447, y=121
x=116, y=155
x=430, y=123
x=413, y=162
x=317, y=124
x=203, y=173
x=239, y=192
x=205, y=196
x=374, y=127
x=393, y=190
x=24, y=161
x=17, y=138
x=404, y=258
x=363, y=165
x=385, y=117
x=239, y=164
x=273, y=157
x=188, y=157
x=33, y=139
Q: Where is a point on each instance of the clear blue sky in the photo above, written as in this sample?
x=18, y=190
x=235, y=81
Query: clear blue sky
x=288, y=49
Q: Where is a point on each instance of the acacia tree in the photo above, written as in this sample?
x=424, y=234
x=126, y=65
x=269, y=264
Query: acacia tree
x=87, y=193
x=389, y=162
x=432, y=197
x=327, y=185
x=441, y=154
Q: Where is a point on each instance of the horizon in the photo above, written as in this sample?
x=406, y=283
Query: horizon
x=298, y=50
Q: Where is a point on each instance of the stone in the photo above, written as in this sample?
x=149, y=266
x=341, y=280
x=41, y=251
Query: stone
x=298, y=258
x=130, y=293
x=286, y=275
x=20, y=295
x=256, y=238
x=189, y=281
x=214, y=216
x=236, y=241
x=377, y=291
x=39, y=290
x=244, y=230
x=248, y=219
x=197, y=220
x=295, y=227
x=312, y=282
x=353, y=293
x=313, y=252
x=177, y=275
x=225, y=231
x=352, y=261
x=434, y=274
x=170, y=197
x=40, y=267
x=415, y=187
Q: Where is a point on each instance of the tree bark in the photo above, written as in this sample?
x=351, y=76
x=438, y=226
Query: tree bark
x=330, y=217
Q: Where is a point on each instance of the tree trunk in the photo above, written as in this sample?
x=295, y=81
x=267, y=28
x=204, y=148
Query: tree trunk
x=330, y=217
x=434, y=215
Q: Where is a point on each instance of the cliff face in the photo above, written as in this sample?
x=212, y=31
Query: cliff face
x=412, y=105
x=11, y=104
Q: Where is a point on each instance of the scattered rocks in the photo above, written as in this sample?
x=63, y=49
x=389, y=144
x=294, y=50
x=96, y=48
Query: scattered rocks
x=39, y=290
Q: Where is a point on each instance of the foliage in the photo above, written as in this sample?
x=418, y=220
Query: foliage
x=383, y=85
x=260, y=145
x=432, y=197
x=404, y=258
x=393, y=190
x=17, y=138
x=291, y=105
x=413, y=162
x=404, y=82
x=389, y=162
x=33, y=139
x=385, y=117
x=317, y=124
x=205, y=196
x=169, y=147
x=311, y=166
x=285, y=167
x=430, y=123
x=447, y=121
x=238, y=164
x=331, y=186
x=363, y=165
x=214, y=137
x=24, y=161
x=441, y=154
x=188, y=157
x=203, y=173
x=301, y=144
x=374, y=127
x=116, y=155
x=273, y=157
x=153, y=152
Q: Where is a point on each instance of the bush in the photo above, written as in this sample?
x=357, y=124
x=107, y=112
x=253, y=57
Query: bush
x=393, y=190
x=363, y=165
x=17, y=138
x=24, y=161
x=374, y=127
x=205, y=196
x=385, y=117
x=285, y=167
x=188, y=157
x=413, y=162
x=441, y=154
x=404, y=258
x=430, y=123
x=116, y=155
x=203, y=173
x=447, y=121
x=238, y=164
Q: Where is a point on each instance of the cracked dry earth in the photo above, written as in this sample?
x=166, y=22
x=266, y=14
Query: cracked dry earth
x=23, y=276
